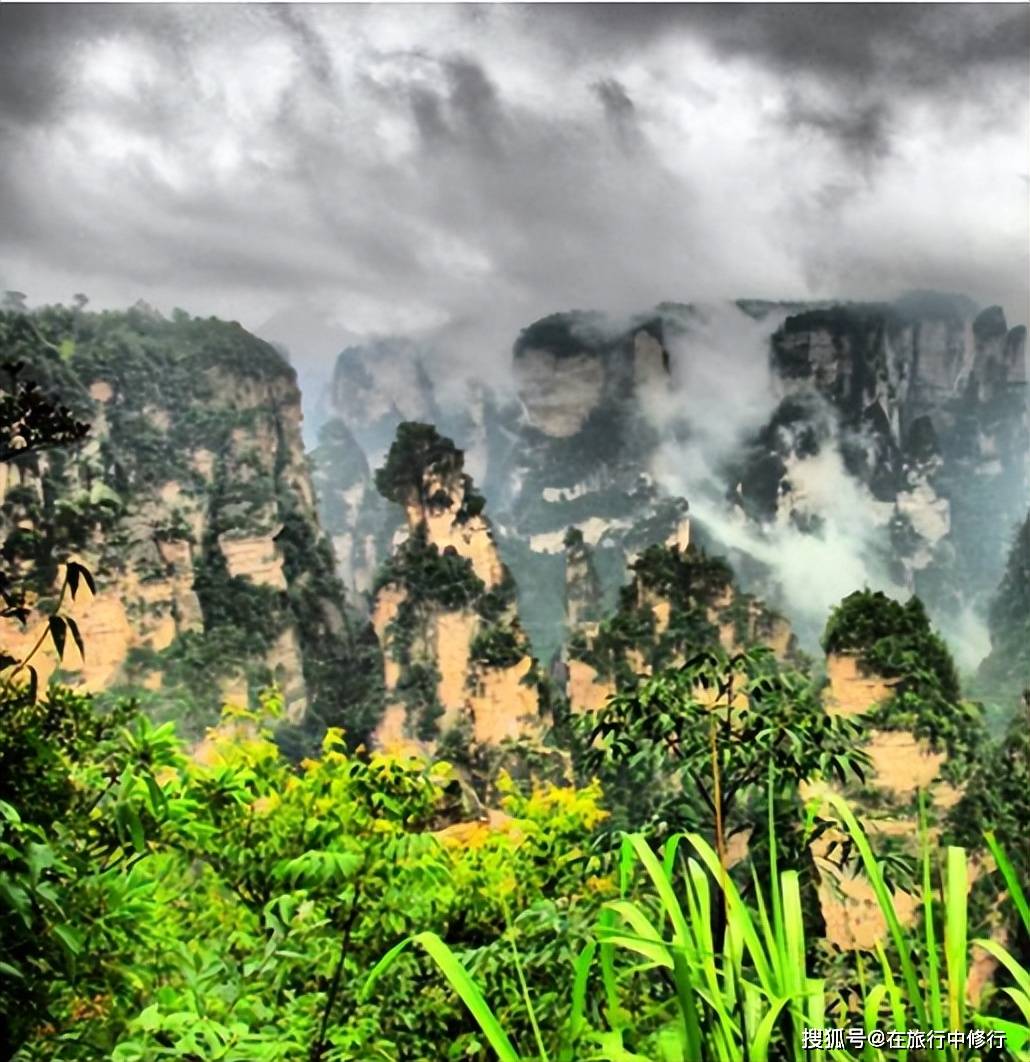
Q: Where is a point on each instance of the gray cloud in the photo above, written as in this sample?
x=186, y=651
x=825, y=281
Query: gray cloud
x=619, y=109
x=927, y=44
x=407, y=168
x=861, y=130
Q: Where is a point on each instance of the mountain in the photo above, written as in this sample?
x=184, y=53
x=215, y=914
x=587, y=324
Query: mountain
x=458, y=663
x=926, y=409
x=458, y=556
x=818, y=447
x=192, y=501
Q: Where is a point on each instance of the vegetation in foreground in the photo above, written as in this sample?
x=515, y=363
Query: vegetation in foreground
x=220, y=903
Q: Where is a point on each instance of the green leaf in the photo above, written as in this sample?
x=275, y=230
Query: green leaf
x=1011, y=879
x=76, y=636
x=460, y=981
x=70, y=938
x=75, y=571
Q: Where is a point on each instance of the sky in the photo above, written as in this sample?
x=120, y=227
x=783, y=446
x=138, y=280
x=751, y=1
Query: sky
x=322, y=172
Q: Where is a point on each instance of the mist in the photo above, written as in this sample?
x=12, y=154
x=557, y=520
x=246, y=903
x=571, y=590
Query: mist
x=722, y=393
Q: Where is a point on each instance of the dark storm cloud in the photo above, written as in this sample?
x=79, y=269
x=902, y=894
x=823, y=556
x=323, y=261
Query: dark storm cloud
x=32, y=42
x=921, y=43
x=884, y=51
x=417, y=165
x=309, y=42
x=862, y=130
x=619, y=109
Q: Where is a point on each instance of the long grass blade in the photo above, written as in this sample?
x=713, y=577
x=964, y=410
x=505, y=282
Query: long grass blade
x=736, y=908
x=460, y=981
x=758, y=1048
x=895, y=996
x=1008, y=872
x=577, y=1012
x=931, y=973
x=1019, y=973
x=883, y=896
x=955, y=935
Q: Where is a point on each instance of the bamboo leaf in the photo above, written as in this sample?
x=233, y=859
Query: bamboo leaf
x=460, y=981
x=1008, y=872
x=73, y=627
x=955, y=935
x=758, y=1049
x=886, y=903
x=57, y=632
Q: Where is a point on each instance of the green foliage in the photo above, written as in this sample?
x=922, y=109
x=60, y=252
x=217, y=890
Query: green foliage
x=562, y=334
x=29, y=421
x=417, y=451
x=997, y=795
x=691, y=582
x=259, y=893
x=79, y=802
x=498, y=647
x=1006, y=672
x=656, y=745
x=417, y=688
x=897, y=642
x=430, y=577
x=149, y=363
x=751, y=994
x=497, y=602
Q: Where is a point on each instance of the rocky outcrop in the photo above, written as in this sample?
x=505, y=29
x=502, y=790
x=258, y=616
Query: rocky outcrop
x=191, y=501
x=455, y=658
x=898, y=429
x=917, y=730
x=1004, y=676
x=679, y=602
x=925, y=402
x=364, y=526
x=583, y=602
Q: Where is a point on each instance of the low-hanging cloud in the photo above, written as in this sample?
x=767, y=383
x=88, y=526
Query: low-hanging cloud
x=722, y=393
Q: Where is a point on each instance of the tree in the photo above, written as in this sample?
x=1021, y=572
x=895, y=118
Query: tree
x=417, y=449
x=713, y=728
x=896, y=641
x=705, y=747
x=50, y=839
x=30, y=424
x=79, y=804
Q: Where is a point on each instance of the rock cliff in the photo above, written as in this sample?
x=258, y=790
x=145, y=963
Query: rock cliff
x=891, y=436
x=678, y=602
x=925, y=402
x=192, y=503
x=1004, y=676
x=457, y=663
x=884, y=662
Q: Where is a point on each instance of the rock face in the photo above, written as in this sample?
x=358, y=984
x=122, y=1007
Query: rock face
x=892, y=437
x=678, y=602
x=456, y=662
x=914, y=411
x=918, y=730
x=925, y=402
x=192, y=503
x=1004, y=676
